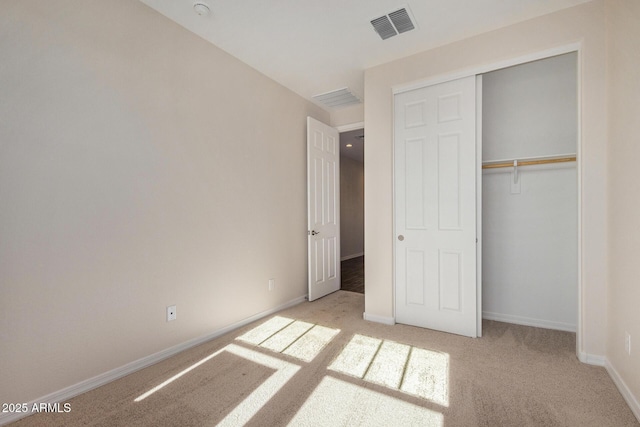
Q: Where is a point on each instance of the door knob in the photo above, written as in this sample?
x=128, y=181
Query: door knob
x=400, y=237
x=314, y=232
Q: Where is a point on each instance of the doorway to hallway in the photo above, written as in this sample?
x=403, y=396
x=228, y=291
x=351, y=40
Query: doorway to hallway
x=352, y=210
x=352, y=274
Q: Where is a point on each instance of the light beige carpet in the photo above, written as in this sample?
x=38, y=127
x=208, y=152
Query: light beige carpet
x=320, y=364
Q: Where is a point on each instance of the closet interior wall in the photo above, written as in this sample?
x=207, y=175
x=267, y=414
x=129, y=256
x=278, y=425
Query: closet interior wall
x=530, y=216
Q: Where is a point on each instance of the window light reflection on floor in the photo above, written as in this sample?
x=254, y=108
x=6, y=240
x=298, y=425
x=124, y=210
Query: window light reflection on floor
x=411, y=370
x=175, y=377
x=295, y=338
x=254, y=401
x=415, y=371
x=339, y=403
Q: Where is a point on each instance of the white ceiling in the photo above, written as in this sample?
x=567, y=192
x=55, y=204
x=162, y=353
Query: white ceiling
x=316, y=46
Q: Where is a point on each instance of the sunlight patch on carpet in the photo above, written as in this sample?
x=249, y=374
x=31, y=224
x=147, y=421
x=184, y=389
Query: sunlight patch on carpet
x=295, y=338
x=388, y=366
x=419, y=372
x=426, y=376
x=250, y=406
x=308, y=346
x=339, y=403
x=356, y=356
x=283, y=339
x=262, y=332
x=254, y=401
x=175, y=377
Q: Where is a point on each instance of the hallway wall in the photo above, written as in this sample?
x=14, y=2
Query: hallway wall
x=351, y=208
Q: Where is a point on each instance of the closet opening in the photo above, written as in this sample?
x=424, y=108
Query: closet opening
x=530, y=194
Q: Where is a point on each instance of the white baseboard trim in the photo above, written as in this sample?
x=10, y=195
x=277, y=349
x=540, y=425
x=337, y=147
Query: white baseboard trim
x=379, y=319
x=344, y=258
x=591, y=359
x=631, y=400
x=84, y=386
x=528, y=321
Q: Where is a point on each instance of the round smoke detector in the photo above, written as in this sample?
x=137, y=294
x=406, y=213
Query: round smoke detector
x=201, y=9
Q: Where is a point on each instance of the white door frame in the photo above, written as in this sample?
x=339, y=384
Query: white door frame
x=478, y=70
x=350, y=127
x=340, y=129
x=479, y=204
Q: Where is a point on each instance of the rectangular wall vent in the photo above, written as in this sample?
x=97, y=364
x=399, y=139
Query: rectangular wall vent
x=394, y=23
x=337, y=98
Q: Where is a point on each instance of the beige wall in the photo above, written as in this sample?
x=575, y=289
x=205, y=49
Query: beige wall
x=584, y=24
x=139, y=167
x=623, y=24
x=347, y=116
x=351, y=207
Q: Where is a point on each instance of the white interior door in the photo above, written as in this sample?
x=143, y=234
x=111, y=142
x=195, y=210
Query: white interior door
x=323, y=210
x=435, y=207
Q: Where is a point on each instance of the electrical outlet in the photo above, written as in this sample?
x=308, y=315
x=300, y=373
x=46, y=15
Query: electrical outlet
x=272, y=284
x=171, y=313
x=627, y=343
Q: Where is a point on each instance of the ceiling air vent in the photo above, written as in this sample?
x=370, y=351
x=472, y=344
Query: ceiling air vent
x=383, y=27
x=401, y=20
x=394, y=23
x=337, y=98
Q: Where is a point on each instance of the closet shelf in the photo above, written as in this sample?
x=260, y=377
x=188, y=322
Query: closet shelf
x=511, y=164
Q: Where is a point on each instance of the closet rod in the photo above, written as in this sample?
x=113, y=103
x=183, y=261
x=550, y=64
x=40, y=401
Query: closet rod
x=529, y=162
